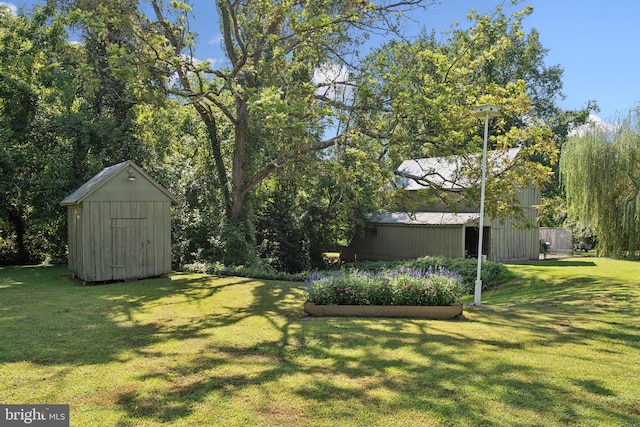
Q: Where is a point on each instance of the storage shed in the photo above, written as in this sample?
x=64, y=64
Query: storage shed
x=119, y=225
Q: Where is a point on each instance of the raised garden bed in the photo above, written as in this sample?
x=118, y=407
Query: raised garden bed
x=406, y=292
x=436, y=312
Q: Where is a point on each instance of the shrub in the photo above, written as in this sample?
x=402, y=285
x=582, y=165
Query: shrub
x=404, y=286
x=256, y=271
x=493, y=273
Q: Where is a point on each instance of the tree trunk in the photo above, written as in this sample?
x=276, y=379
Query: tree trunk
x=240, y=163
x=221, y=172
x=19, y=227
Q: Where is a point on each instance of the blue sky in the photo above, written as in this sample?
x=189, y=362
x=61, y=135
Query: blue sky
x=595, y=42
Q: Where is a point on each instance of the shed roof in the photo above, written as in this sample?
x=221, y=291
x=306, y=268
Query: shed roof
x=101, y=178
x=424, y=218
x=450, y=172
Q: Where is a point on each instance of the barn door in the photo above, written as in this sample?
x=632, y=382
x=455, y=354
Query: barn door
x=128, y=247
x=471, y=237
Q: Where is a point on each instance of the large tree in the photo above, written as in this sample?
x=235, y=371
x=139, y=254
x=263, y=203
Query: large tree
x=65, y=113
x=33, y=88
x=600, y=172
x=288, y=61
x=266, y=90
x=421, y=102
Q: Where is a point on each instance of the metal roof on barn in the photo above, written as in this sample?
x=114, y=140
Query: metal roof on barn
x=450, y=172
x=424, y=218
x=104, y=176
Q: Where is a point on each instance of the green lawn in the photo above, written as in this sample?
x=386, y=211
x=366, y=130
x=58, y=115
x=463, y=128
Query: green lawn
x=559, y=346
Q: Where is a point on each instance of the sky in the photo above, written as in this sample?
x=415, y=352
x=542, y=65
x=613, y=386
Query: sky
x=595, y=42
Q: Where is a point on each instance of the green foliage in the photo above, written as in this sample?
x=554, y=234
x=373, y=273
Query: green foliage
x=335, y=197
x=238, y=247
x=396, y=287
x=265, y=93
x=223, y=139
x=176, y=158
x=493, y=274
x=599, y=171
x=292, y=72
x=583, y=234
x=419, y=98
x=281, y=236
x=64, y=115
x=257, y=270
x=552, y=211
x=31, y=83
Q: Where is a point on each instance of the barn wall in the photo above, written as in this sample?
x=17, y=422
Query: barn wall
x=395, y=241
x=510, y=242
x=158, y=232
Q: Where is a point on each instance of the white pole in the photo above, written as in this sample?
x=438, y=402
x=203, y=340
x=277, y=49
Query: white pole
x=478, y=288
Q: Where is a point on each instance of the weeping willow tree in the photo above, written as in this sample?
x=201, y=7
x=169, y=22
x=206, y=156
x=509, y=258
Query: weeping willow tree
x=600, y=172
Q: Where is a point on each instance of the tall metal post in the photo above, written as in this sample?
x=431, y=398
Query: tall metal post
x=486, y=111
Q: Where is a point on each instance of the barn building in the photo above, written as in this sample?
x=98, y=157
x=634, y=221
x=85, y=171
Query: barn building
x=119, y=226
x=437, y=232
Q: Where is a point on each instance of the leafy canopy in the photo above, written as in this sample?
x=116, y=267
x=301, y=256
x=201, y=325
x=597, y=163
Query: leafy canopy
x=599, y=171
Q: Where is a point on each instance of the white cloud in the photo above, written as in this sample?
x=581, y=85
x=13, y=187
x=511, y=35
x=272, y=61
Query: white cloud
x=194, y=60
x=333, y=82
x=13, y=9
x=593, y=123
x=215, y=40
x=213, y=61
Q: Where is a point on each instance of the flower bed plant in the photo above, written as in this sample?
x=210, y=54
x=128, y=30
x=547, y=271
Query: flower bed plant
x=493, y=273
x=404, y=286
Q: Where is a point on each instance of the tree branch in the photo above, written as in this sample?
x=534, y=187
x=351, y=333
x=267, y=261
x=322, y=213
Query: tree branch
x=288, y=157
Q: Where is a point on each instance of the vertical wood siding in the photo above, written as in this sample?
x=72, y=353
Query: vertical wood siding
x=510, y=242
x=75, y=236
x=394, y=242
x=119, y=240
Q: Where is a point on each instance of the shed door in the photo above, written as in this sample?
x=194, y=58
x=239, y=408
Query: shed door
x=128, y=248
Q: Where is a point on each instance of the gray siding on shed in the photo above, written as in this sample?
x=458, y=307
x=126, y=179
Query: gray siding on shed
x=119, y=229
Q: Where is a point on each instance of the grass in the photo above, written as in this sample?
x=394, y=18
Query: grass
x=557, y=346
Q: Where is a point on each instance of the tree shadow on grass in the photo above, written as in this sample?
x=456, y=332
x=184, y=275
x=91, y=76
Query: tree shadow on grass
x=356, y=367
x=352, y=369
x=579, y=310
x=561, y=262
x=47, y=319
